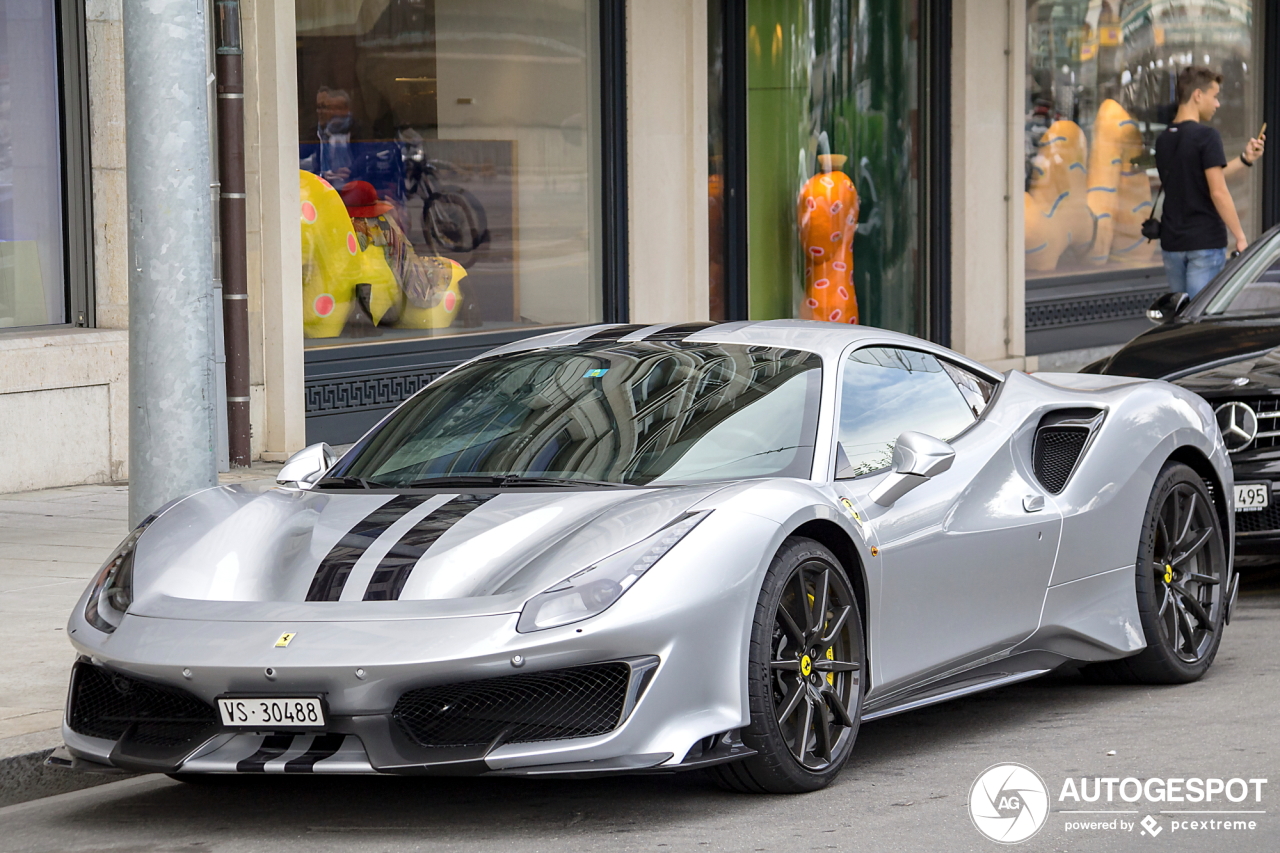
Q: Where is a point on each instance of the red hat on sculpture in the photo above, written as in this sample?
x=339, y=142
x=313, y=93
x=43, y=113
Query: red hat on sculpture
x=361, y=200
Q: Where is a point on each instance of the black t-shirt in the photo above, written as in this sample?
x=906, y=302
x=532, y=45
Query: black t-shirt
x=1190, y=221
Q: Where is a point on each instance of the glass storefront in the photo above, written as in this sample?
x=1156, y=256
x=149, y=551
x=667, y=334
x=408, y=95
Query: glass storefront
x=1100, y=88
x=833, y=156
x=450, y=166
x=33, y=288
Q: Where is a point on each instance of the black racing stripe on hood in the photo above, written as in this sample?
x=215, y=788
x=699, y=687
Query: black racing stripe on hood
x=335, y=568
x=389, y=578
x=324, y=746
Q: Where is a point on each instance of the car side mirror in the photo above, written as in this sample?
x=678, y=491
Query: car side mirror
x=1167, y=306
x=307, y=466
x=916, y=458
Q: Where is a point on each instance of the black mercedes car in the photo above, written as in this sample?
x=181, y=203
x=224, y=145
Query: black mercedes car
x=1225, y=345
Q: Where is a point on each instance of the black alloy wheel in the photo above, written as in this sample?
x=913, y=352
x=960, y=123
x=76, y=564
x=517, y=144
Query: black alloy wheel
x=804, y=677
x=1181, y=579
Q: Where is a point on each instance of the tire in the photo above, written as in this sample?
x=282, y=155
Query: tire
x=454, y=222
x=1181, y=581
x=804, y=674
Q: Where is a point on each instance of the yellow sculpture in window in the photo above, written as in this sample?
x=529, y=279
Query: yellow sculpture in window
x=1056, y=207
x=334, y=265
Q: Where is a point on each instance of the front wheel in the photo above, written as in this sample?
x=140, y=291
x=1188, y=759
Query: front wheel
x=804, y=675
x=1181, y=579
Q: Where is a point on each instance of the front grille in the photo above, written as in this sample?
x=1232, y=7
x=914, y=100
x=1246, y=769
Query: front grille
x=1056, y=452
x=1259, y=521
x=104, y=704
x=1268, y=411
x=538, y=706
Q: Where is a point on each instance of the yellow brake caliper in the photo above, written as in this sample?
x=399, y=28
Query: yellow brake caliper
x=831, y=651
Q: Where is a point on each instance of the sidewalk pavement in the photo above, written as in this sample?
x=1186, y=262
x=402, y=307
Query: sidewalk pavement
x=51, y=543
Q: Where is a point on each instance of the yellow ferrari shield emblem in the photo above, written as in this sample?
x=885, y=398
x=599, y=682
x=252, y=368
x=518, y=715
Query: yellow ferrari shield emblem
x=806, y=666
x=285, y=639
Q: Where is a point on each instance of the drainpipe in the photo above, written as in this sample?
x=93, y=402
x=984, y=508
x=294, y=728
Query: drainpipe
x=171, y=334
x=235, y=286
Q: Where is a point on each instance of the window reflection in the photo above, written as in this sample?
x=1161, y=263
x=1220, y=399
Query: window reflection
x=631, y=413
x=32, y=283
x=833, y=162
x=887, y=391
x=449, y=157
x=1100, y=89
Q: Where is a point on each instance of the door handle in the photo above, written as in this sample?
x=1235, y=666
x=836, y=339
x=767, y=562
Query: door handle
x=1033, y=503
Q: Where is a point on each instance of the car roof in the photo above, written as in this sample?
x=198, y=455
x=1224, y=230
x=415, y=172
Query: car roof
x=829, y=340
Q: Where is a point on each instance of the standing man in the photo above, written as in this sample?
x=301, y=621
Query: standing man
x=1198, y=210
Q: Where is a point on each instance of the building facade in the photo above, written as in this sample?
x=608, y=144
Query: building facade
x=427, y=179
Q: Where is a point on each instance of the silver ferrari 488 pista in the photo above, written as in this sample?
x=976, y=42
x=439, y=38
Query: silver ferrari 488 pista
x=626, y=549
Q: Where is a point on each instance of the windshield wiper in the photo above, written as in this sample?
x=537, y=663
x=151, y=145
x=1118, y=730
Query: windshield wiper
x=509, y=480
x=350, y=483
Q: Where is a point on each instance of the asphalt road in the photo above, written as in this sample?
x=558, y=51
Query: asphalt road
x=906, y=788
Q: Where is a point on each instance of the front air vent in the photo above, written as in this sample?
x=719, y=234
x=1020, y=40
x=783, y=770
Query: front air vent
x=106, y=704
x=1061, y=439
x=537, y=706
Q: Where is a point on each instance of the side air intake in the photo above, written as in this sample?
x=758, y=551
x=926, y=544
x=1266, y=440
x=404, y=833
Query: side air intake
x=1061, y=439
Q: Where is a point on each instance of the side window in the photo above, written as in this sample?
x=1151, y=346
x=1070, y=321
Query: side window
x=887, y=391
x=977, y=392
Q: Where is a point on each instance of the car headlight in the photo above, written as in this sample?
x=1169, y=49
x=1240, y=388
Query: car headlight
x=112, y=589
x=593, y=590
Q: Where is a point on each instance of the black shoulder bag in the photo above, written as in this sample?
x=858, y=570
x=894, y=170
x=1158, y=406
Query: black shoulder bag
x=1151, y=225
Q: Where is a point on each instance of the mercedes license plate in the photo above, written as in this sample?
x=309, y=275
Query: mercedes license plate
x=1251, y=497
x=272, y=712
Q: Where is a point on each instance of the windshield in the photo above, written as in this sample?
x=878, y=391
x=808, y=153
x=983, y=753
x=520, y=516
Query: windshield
x=642, y=413
x=1255, y=288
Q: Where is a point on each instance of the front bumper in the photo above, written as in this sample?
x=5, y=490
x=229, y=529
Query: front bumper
x=681, y=711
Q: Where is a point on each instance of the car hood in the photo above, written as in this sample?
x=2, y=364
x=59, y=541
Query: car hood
x=234, y=553
x=1177, y=350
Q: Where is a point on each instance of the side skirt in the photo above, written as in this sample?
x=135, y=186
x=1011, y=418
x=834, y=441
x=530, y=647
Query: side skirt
x=990, y=683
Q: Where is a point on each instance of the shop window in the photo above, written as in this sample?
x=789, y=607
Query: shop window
x=450, y=166
x=33, y=278
x=1100, y=88
x=833, y=156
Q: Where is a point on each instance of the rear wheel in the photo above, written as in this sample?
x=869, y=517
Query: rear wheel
x=804, y=675
x=1181, y=578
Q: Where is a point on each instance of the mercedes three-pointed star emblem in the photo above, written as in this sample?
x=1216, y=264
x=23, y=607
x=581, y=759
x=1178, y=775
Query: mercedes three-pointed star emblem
x=1238, y=423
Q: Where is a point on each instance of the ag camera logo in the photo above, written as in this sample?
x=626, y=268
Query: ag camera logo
x=1008, y=803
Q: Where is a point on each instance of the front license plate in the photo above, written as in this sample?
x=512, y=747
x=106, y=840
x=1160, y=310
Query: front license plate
x=1251, y=497
x=272, y=712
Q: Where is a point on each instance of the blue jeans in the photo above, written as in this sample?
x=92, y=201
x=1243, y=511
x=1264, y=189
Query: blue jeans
x=1189, y=272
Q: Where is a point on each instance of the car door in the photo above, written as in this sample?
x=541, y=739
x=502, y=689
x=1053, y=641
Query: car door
x=967, y=556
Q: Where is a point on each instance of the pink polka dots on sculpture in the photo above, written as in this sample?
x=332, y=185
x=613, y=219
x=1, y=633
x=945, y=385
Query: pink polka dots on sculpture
x=450, y=300
x=309, y=214
x=323, y=305
x=353, y=246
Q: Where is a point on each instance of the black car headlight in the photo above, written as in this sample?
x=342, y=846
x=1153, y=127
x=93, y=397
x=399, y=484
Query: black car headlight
x=112, y=589
x=593, y=590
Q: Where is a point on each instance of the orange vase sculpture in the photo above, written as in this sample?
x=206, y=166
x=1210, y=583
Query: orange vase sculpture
x=827, y=214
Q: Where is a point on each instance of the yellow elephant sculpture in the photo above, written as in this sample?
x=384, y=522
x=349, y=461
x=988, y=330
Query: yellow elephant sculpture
x=334, y=264
x=1119, y=192
x=1056, y=208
